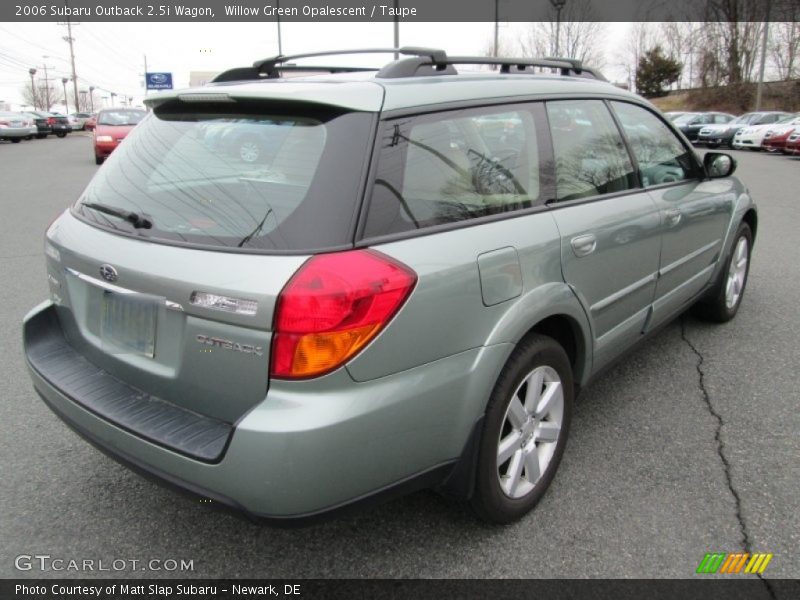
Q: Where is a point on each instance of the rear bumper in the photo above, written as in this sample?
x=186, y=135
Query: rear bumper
x=312, y=448
x=16, y=132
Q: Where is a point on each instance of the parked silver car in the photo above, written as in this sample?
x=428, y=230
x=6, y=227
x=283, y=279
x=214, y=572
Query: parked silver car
x=16, y=127
x=407, y=291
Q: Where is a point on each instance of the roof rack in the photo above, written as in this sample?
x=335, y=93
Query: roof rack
x=414, y=67
x=270, y=68
x=422, y=62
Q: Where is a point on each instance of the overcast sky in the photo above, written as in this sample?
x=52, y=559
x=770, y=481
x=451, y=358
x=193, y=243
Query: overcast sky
x=111, y=55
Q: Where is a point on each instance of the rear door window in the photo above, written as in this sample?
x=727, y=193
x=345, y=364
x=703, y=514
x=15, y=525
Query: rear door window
x=256, y=177
x=454, y=166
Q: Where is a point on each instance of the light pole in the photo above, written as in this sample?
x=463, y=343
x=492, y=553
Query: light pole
x=113, y=95
x=32, y=72
x=278, y=21
x=558, y=5
x=91, y=97
x=64, y=81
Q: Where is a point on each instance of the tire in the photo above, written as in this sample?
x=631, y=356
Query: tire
x=16, y=140
x=499, y=497
x=98, y=160
x=61, y=135
x=725, y=298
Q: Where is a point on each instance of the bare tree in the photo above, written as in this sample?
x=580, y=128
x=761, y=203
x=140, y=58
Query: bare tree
x=683, y=41
x=785, y=48
x=641, y=37
x=733, y=29
x=580, y=35
x=42, y=96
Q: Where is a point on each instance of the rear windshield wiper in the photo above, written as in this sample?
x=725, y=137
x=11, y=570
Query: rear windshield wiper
x=134, y=218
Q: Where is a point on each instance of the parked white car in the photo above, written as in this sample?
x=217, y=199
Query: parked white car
x=753, y=136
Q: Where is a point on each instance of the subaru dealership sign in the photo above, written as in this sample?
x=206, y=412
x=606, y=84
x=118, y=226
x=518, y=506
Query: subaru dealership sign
x=159, y=81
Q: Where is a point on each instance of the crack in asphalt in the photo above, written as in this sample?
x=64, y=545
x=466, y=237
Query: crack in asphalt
x=726, y=465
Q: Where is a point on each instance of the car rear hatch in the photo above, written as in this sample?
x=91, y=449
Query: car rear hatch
x=178, y=301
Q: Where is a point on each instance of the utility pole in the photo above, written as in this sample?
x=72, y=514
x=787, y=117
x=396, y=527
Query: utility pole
x=145, y=74
x=91, y=97
x=46, y=84
x=68, y=38
x=759, y=89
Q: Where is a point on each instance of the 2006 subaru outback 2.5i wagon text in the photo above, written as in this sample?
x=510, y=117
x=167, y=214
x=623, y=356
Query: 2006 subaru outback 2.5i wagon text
x=401, y=283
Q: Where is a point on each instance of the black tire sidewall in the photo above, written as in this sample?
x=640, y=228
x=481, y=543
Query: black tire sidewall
x=488, y=500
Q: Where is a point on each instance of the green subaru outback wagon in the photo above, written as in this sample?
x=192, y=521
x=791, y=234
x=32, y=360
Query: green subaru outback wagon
x=301, y=288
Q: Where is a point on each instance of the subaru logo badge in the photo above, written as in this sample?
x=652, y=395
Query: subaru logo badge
x=108, y=273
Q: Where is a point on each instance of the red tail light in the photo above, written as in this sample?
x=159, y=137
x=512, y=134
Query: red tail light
x=51, y=120
x=6, y=123
x=333, y=307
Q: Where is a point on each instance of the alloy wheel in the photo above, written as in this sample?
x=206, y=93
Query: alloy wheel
x=530, y=432
x=737, y=272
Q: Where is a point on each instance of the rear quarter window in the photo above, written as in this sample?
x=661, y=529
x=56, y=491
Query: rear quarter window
x=454, y=166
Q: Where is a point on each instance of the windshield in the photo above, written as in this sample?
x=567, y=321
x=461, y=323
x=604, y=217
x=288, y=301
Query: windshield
x=120, y=117
x=262, y=177
x=749, y=118
x=685, y=119
x=788, y=119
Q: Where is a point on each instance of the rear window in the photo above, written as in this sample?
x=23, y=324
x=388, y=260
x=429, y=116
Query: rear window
x=120, y=117
x=245, y=175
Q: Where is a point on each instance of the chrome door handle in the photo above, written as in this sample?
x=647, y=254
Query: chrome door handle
x=672, y=216
x=584, y=244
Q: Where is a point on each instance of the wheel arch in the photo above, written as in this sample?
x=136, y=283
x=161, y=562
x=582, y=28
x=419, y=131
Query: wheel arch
x=751, y=218
x=552, y=310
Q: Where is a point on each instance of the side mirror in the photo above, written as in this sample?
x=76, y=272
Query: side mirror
x=719, y=165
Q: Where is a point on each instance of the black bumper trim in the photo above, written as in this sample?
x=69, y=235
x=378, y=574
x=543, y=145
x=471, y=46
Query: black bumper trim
x=148, y=417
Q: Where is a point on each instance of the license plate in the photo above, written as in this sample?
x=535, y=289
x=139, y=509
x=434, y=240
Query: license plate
x=128, y=323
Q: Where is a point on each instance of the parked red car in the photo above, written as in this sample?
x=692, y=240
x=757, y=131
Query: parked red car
x=91, y=123
x=113, y=125
x=776, y=141
x=793, y=144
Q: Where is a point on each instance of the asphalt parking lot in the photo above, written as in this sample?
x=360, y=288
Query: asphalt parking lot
x=690, y=446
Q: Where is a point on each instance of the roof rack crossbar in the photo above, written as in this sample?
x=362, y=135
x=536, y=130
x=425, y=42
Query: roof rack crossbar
x=434, y=54
x=268, y=68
